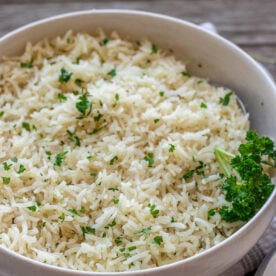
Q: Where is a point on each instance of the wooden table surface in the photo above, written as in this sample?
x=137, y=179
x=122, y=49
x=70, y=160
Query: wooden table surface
x=251, y=24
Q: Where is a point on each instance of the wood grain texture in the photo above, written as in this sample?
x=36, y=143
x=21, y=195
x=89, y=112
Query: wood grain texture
x=251, y=24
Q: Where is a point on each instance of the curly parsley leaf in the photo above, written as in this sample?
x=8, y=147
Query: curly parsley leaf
x=84, y=106
x=246, y=185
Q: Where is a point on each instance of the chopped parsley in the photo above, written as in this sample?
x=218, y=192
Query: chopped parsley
x=73, y=212
x=116, y=201
x=59, y=158
x=2, y=113
x=32, y=208
x=97, y=117
x=94, y=174
x=156, y=120
x=122, y=249
x=185, y=74
x=27, y=64
x=117, y=97
x=198, y=170
x=78, y=82
x=78, y=60
x=118, y=240
x=154, y=212
x=203, y=105
x=104, y=235
x=21, y=169
x=64, y=76
x=158, y=240
x=43, y=224
x=226, y=99
x=131, y=248
x=144, y=231
x=62, y=217
x=211, y=213
x=88, y=230
x=73, y=137
x=14, y=159
x=112, y=73
x=49, y=154
x=105, y=41
x=113, y=223
x=154, y=49
x=161, y=93
x=150, y=159
x=111, y=162
x=26, y=126
x=96, y=130
x=171, y=148
x=84, y=106
x=61, y=97
x=113, y=189
x=6, y=166
x=6, y=180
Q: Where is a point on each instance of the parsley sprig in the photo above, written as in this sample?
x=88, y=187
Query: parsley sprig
x=246, y=185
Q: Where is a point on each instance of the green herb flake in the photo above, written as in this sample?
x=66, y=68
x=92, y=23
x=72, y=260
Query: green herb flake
x=113, y=189
x=199, y=169
x=49, y=154
x=26, y=126
x=27, y=64
x=97, y=117
x=203, y=105
x=84, y=106
x=78, y=60
x=73, y=137
x=154, y=49
x=104, y=235
x=118, y=241
x=144, y=231
x=111, y=162
x=64, y=76
x=6, y=180
x=116, y=201
x=150, y=159
x=117, y=97
x=73, y=212
x=105, y=41
x=61, y=97
x=62, y=217
x=172, y=220
x=59, y=158
x=211, y=213
x=112, y=73
x=161, y=93
x=122, y=249
x=154, y=212
x=131, y=248
x=21, y=169
x=96, y=130
x=171, y=148
x=158, y=240
x=2, y=113
x=185, y=74
x=188, y=174
x=7, y=166
x=156, y=120
x=78, y=82
x=113, y=223
x=226, y=99
x=43, y=224
x=32, y=208
x=88, y=230
x=94, y=174
x=14, y=159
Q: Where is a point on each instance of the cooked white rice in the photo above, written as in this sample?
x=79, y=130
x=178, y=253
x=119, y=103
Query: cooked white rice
x=153, y=124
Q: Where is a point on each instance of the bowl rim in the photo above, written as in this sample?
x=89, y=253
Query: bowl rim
x=195, y=27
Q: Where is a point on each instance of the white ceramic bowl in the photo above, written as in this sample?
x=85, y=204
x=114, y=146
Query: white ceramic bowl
x=222, y=62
